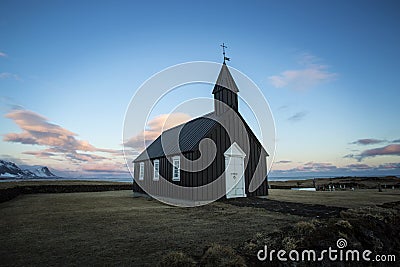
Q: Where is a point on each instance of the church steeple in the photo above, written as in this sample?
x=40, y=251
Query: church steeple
x=225, y=91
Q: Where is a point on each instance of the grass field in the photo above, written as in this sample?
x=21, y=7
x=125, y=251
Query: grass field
x=346, y=199
x=114, y=228
x=33, y=183
x=347, y=182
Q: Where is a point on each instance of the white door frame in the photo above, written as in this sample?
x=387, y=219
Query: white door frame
x=234, y=167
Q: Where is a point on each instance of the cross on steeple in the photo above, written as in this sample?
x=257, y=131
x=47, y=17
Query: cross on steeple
x=223, y=52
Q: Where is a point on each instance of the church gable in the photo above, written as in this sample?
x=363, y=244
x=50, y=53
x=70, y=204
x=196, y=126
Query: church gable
x=234, y=151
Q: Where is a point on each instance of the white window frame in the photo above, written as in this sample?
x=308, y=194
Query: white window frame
x=156, y=170
x=176, y=163
x=141, y=171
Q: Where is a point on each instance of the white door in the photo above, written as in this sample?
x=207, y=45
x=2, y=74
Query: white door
x=234, y=172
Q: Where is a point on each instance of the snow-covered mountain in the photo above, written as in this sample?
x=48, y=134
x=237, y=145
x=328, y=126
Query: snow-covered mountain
x=9, y=169
x=43, y=172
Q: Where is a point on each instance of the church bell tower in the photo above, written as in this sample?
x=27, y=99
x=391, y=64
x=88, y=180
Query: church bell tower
x=225, y=90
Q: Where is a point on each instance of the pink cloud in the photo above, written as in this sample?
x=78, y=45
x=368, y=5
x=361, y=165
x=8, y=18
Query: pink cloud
x=390, y=166
x=37, y=130
x=326, y=168
x=311, y=75
x=74, y=156
x=2, y=54
x=368, y=141
x=283, y=162
x=117, y=168
x=40, y=154
x=393, y=149
x=154, y=128
x=358, y=166
x=301, y=79
x=309, y=167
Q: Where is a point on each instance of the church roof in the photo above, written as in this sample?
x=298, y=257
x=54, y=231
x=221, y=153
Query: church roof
x=189, y=135
x=225, y=80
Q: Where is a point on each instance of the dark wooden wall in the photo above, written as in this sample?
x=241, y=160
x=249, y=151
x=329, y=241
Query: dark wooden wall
x=225, y=98
x=254, y=154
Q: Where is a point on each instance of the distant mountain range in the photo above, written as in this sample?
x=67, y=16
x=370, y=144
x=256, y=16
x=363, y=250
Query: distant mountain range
x=10, y=170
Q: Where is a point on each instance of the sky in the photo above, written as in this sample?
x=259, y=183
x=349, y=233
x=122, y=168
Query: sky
x=328, y=69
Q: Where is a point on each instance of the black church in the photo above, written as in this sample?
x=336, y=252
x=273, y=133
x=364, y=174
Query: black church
x=184, y=155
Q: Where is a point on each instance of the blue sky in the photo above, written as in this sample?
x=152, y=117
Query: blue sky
x=329, y=71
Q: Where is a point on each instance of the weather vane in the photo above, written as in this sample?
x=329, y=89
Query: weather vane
x=223, y=52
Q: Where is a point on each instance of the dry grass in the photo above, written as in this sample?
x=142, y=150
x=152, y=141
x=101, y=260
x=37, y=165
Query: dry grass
x=356, y=182
x=34, y=183
x=113, y=228
x=176, y=259
x=346, y=199
x=305, y=227
x=223, y=256
x=372, y=228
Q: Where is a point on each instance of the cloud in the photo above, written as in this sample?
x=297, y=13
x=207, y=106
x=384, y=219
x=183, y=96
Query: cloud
x=312, y=74
x=369, y=141
x=2, y=54
x=313, y=167
x=77, y=157
x=393, y=149
x=23, y=138
x=308, y=168
x=283, y=107
x=316, y=166
x=283, y=161
x=114, y=152
x=39, y=154
x=389, y=150
x=301, y=79
x=154, y=128
x=106, y=168
x=37, y=130
x=358, y=166
x=8, y=75
x=298, y=116
x=329, y=169
x=389, y=166
x=17, y=161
